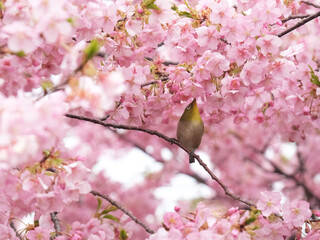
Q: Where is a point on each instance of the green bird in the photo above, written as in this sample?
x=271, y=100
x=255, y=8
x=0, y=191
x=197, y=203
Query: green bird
x=190, y=128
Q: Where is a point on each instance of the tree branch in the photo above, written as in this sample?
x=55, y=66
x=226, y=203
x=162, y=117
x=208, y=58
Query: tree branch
x=302, y=22
x=170, y=140
x=163, y=79
x=311, y=4
x=294, y=17
x=15, y=230
x=129, y=214
x=166, y=63
x=56, y=224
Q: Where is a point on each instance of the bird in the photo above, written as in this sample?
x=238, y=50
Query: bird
x=190, y=128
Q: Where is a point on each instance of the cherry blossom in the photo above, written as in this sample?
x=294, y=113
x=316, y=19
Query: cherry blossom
x=269, y=203
x=82, y=83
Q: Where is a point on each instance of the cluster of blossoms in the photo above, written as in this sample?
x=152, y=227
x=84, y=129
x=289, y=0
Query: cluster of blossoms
x=271, y=220
x=138, y=62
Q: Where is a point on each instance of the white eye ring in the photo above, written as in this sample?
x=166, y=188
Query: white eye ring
x=189, y=106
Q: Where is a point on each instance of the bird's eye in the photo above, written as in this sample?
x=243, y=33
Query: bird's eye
x=189, y=106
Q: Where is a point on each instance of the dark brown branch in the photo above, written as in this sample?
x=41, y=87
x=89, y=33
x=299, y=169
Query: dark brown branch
x=56, y=224
x=294, y=17
x=166, y=63
x=224, y=187
x=311, y=4
x=299, y=24
x=129, y=214
x=163, y=79
x=170, y=140
x=225, y=41
x=15, y=230
x=277, y=170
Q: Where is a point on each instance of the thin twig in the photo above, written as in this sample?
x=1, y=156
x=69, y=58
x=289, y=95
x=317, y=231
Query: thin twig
x=170, y=140
x=276, y=169
x=129, y=214
x=166, y=63
x=163, y=79
x=294, y=17
x=15, y=230
x=311, y=4
x=302, y=22
x=224, y=187
x=56, y=224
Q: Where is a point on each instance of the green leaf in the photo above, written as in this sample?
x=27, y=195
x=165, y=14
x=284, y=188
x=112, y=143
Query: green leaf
x=99, y=204
x=123, y=234
x=111, y=217
x=149, y=4
x=108, y=209
x=70, y=20
x=46, y=85
x=253, y=216
x=46, y=153
x=20, y=54
x=56, y=162
x=91, y=50
x=36, y=223
x=250, y=220
x=181, y=13
x=314, y=78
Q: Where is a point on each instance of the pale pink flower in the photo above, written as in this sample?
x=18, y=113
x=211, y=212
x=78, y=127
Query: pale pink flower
x=241, y=118
x=221, y=12
x=110, y=16
x=296, y=212
x=39, y=233
x=161, y=15
x=269, y=44
x=202, y=214
x=6, y=232
x=252, y=72
x=208, y=36
x=312, y=235
x=213, y=63
x=239, y=53
x=269, y=203
x=133, y=27
x=52, y=29
x=75, y=177
x=273, y=231
x=222, y=227
x=172, y=234
x=204, y=235
x=172, y=220
x=21, y=37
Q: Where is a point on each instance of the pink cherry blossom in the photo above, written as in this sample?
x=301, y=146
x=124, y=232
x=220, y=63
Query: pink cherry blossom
x=128, y=69
x=296, y=212
x=20, y=37
x=38, y=233
x=208, y=36
x=172, y=219
x=270, y=202
x=274, y=231
x=7, y=232
x=251, y=73
x=269, y=44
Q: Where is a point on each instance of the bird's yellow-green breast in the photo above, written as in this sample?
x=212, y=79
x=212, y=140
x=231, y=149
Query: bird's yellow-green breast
x=190, y=127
